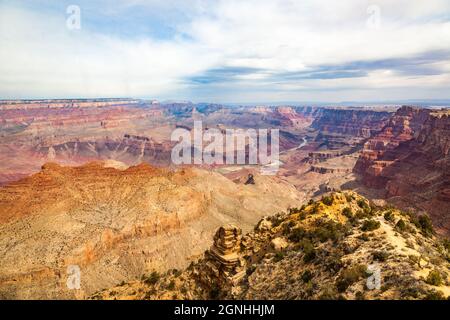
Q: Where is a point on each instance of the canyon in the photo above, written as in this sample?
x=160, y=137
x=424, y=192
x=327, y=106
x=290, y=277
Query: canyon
x=115, y=222
x=91, y=183
x=321, y=251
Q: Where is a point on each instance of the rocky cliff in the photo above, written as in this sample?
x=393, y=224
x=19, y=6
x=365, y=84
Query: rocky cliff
x=401, y=127
x=351, y=122
x=116, y=222
x=410, y=161
x=340, y=247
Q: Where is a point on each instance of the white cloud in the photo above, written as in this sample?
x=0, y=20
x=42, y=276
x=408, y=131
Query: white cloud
x=40, y=57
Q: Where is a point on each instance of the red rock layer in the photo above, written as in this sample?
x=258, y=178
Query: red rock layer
x=360, y=123
x=415, y=172
x=401, y=127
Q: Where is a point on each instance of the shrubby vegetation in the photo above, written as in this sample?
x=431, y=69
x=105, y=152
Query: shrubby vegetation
x=434, y=278
x=424, y=223
x=349, y=276
x=370, y=225
x=389, y=216
x=380, y=256
x=328, y=200
x=401, y=225
x=308, y=250
x=152, y=279
x=347, y=212
x=307, y=276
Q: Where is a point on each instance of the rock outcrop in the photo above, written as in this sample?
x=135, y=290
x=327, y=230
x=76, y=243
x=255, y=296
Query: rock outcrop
x=223, y=266
x=341, y=247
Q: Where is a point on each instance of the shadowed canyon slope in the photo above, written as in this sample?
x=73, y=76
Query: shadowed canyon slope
x=116, y=223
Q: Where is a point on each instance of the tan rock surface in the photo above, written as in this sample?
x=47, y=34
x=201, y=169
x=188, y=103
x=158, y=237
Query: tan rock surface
x=116, y=224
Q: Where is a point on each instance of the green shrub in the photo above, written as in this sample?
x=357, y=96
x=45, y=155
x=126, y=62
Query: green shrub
x=380, y=256
x=308, y=250
x=214, y=293
x=329, y=230
x=361, y=214
x=401, y=225
x=328, y=293
x=347, y=212
x=297, y=234
x=425, y=224
x=434, y=295
x=275, y=222
x=349, y=276
x=171, y=285
x=328, y=200
x=333, y=264
x=409, y=292
x=370, y=225
x=307, y=276
x=360, y=296
x=363, y=204
x=295, y=210
x=389, y=216
x=446, y=244
x=153, y=278
x=434, y=278
x=287, y=227
x=349, y=197
x=278, y=256
x=315, y=208
x=176, y=273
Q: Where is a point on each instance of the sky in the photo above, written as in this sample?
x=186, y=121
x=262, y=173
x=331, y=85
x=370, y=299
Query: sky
x=226, y=51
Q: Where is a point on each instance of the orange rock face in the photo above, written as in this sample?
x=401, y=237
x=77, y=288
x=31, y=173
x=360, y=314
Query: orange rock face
x=116, y=222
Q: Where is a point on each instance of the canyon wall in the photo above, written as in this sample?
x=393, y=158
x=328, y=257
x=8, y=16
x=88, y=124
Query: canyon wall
x=116, y=223
x=410, y=161
x=358, y=123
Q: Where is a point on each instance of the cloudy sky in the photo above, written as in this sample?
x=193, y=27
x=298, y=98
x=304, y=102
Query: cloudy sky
x=226, y=51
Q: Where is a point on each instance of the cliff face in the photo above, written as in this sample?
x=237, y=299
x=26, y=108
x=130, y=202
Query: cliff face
x=73, y=132
x=339, y=247
x=293, y=117
x=115, y=222
x=401, y=127
x=359, y=123
x=412, y=165
x=130, y=149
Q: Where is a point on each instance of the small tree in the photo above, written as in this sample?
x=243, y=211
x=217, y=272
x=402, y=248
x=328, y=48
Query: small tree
x=370, y=225
x=434, y=278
